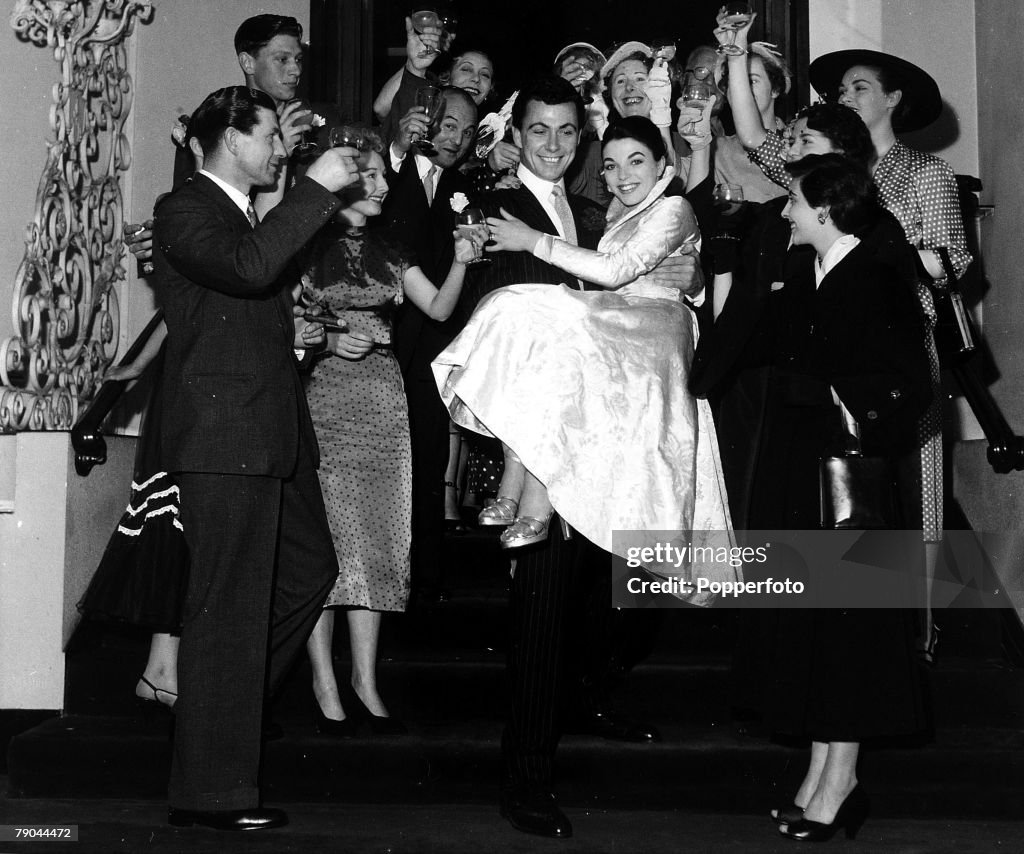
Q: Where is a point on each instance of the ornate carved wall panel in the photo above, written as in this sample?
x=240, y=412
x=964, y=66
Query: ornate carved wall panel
x=64, y=308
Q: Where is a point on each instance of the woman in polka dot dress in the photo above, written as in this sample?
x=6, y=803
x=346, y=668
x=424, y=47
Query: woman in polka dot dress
x=892, y=95
x=359, y=411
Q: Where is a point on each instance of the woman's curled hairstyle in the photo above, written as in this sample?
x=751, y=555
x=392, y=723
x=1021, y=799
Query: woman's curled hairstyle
x=844, y=129
x=641, y=129
x=840, y=184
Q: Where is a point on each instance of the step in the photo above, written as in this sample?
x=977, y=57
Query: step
x=975, y=774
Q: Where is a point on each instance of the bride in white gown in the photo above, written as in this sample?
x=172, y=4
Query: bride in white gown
x=589, y=388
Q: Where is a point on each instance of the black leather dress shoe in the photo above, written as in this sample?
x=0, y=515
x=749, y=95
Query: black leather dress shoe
x=535, y=812
x=257, y=818
x=618, y=728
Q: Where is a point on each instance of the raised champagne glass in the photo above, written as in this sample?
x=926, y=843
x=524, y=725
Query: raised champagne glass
x=421, y=19
x=734, y=16
x=696, y=94
x=431, y=100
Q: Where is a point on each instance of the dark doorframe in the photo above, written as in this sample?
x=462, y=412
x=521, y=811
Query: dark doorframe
x=340, y=66
x=785, y=23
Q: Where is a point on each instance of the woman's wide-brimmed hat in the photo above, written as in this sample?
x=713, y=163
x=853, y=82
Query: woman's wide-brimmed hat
x=921, y=103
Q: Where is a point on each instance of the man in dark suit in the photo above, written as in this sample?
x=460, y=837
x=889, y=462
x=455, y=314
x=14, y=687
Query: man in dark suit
x=552, y=590
x=419, y=208
x=236, y=432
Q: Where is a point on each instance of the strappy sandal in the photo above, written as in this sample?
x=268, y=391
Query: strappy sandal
x=529, y=530
x=502, y=512
x=156, y=695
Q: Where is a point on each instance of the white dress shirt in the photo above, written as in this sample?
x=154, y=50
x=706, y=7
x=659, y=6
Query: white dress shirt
x=423, y=165
x=236, y=195
x=836, y=253
x=541, y=189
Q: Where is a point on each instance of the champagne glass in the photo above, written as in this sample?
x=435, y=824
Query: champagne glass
x=347, y=136
x=306, y=146
x=450, y=23
x=467, y=221
x=484, y=142
x=696, y=94
x=421, y=19
x=728, y=198
x=734, y=17
x=663, y=49
x=431, y=100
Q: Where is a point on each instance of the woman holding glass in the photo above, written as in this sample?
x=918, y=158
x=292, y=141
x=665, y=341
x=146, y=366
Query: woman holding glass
x=358, y=407
x=470, y=69
x=630, y=88
x=846, y=332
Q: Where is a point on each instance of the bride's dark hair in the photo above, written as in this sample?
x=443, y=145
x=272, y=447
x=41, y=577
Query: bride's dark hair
x=639, y=128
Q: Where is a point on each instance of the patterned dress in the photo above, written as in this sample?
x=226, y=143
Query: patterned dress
x=362, y=422
x=920, y=191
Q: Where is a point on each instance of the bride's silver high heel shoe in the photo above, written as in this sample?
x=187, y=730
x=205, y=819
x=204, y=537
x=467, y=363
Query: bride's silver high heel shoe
x=529, y=530
x=501, y=512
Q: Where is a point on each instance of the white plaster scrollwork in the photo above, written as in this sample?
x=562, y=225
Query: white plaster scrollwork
x=64, y=309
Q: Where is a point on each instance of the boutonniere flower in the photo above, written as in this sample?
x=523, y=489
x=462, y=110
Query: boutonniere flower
x=318, y=120
x=179, y=133
x=459, y=202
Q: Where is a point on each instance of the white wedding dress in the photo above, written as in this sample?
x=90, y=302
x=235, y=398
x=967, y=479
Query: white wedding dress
x=589, y=388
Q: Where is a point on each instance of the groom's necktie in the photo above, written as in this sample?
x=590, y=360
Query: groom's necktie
x=564, y=212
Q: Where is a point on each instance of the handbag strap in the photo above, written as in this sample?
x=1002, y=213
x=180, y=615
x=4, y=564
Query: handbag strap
x=947, y=266
x=850, y=425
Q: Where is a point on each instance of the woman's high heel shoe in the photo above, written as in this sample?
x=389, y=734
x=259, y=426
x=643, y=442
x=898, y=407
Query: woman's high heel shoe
x=501, y=512
x=787, y=815
x=927, y=652
x=453, y=524
x=850, y=817
x=324, y=725
x=379, y=725
x=148, y=705
x=529, y=530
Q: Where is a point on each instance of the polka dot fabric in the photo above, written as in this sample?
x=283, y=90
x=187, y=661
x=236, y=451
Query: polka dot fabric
x=362, y=424
x=920, y=190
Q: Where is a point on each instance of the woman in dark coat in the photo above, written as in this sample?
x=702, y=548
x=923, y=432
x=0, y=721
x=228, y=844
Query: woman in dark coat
x=846, y=328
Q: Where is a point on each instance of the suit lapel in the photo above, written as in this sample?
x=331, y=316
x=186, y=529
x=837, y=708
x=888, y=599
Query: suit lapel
x=532, y=212
x=219, y=197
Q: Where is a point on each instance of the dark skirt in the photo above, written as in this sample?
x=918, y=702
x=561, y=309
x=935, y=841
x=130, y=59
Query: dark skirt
x=829, y=674
x=143, y=575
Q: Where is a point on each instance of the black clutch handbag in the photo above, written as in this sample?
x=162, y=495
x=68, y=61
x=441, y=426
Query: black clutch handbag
x=857, y=492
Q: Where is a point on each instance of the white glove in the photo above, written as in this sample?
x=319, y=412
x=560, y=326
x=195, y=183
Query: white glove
x=658, y=89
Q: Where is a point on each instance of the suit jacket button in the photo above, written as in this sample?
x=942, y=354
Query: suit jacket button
x=872, y=415
x=895, y=394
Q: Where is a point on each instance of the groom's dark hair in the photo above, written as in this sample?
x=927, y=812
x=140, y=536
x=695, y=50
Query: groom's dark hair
x=548, y=90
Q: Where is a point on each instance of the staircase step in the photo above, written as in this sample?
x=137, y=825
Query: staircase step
x=964, y=774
